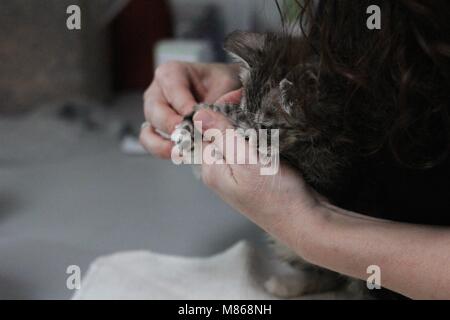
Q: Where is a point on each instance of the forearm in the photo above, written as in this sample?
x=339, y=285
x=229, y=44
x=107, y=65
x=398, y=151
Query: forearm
x=414, y=260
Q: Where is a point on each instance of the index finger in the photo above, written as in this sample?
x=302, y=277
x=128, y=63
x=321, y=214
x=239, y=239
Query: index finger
x=177, y=91
x=158, y=112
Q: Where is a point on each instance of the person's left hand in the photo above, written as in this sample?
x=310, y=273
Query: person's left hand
x=270, y=201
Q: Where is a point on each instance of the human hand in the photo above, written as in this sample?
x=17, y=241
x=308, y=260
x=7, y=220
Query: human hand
x=273, y=202
x=176, y=88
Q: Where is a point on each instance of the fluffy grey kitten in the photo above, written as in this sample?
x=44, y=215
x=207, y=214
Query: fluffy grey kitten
x=284, y=89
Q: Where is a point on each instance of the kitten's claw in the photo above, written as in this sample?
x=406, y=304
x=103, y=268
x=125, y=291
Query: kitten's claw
x=182, y=136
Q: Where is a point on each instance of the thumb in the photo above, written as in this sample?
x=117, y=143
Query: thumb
x=213, y=126
x=207, y=119
x=217, y=177
x=231, y=145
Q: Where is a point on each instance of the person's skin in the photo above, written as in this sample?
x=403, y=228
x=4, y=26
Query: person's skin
x=414, y=259
x=174, y=91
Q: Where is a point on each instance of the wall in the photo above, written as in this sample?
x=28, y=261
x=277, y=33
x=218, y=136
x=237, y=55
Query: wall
x=254, y=15
x=42, y=61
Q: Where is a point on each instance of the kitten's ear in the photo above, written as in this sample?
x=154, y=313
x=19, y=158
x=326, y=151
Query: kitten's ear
x=245, y=46
x=300, y=87
x=286, y=88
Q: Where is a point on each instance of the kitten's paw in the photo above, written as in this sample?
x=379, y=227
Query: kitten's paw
x=183, y=136
x=285, y=287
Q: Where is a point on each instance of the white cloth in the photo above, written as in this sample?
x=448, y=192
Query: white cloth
x=236, y=273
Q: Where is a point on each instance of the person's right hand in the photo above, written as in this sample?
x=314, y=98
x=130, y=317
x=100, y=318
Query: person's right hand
x=176, y=88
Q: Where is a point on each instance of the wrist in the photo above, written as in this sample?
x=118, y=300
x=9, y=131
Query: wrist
x=304, y=227
x=328, y=232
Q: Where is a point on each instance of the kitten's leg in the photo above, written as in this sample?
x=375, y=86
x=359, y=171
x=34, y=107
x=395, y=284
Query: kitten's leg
x=183, y=135
x=286, y=286
x=307, y=279
x=311, y=280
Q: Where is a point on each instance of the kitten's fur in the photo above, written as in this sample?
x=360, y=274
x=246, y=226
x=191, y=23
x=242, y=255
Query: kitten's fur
x=285, y=89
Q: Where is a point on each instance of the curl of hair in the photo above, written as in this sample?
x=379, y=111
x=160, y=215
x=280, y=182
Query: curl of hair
x=398, y=77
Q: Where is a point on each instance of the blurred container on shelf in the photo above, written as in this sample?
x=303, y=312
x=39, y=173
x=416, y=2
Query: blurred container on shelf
x=183, y=50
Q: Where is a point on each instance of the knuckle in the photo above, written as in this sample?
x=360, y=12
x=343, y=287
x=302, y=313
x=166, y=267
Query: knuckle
x=187, y=108
x=157, y=118
x=167, y=68
x=170, y=125
x=147, y=95
x=160, y=70
x=145, y=139
x=148, y=112
x=150, y=91
x=149, y=104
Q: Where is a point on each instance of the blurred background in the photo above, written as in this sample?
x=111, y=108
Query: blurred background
x=74, y=182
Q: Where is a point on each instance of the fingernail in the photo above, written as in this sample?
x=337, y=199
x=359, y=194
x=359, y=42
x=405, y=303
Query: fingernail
x=206, y=119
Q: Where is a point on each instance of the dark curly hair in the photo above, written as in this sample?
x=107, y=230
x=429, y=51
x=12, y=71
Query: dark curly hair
x=399, y=76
